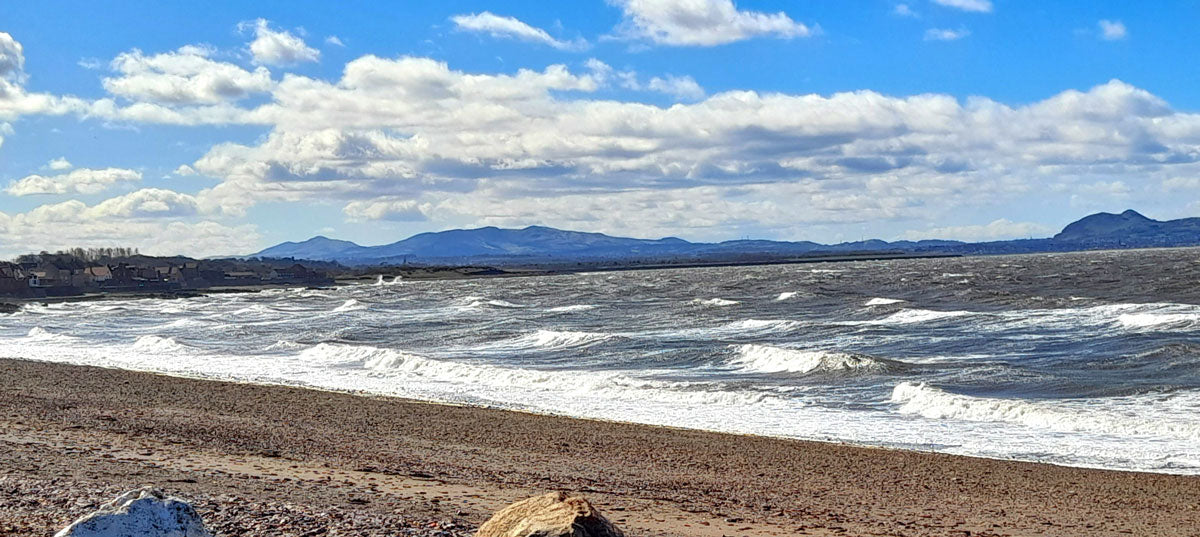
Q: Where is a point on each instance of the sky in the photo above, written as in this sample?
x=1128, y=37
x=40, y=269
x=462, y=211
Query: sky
x=220, y=128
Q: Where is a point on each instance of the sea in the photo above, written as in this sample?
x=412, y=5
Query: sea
x=1083, y=359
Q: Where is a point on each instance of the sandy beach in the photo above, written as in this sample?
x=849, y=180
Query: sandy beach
x=274, y=460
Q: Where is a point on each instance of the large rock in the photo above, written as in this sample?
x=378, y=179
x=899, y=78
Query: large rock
x=550, y=515
x=141, y=513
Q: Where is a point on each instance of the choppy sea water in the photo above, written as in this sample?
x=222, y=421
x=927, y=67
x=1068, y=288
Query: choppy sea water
x=1088, y=359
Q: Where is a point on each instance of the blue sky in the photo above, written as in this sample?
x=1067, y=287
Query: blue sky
x=224, y=127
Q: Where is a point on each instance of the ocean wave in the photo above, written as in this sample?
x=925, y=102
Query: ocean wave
x=283, y=345
x=480, y=303
x=572, y=308
x=253, y=309
x=381, y=282
x=785, y=296
x=555, y=339
x=771, y=359
x=1097, y=418
x=604, y=385
x=350, y=305
x=761, y=326
x=909, y=316
x=883, y=301
x=158, y=344
x=38, y=333
x=1159, y=320
x=715, y=302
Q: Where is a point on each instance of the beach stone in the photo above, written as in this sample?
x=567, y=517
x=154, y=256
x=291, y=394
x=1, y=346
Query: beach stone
x=554, y=514
x=143, y=513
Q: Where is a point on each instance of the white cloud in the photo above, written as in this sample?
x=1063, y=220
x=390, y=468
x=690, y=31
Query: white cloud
x=184, y=171
x=1001, y=229
x=400, y=210
x=943, y=34
x=59, y=164
x=904, y=10
x=91, y=64
x=279, y=47
x=187, y=76
x=977, y=6
x=335, y=41
x=680, y=87
x=1181, y=183
x=413, y=129
x=147, y=203
x=398, y=138
x=702, y=22
x=511, y=28
x=147, y=219
x=81, y=181
x=1112, y=30
x=12, y=60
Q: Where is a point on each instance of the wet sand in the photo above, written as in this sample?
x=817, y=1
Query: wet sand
x=273, y=460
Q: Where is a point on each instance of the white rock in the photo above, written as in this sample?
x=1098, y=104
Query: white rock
x=139, y=513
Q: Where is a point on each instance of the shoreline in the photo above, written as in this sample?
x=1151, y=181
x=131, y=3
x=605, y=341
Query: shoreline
x=652, y=480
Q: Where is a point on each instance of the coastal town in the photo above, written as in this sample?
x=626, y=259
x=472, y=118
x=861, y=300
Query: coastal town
x=77, y=273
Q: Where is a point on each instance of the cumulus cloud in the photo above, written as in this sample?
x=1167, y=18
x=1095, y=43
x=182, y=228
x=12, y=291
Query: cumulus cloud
x=392, y=135
x=511, y=28
x=702, y=22
x=59, y=164
x=977, y=6
x=186, y=76
x=70, y=224
x=278, y=47
x=412, y=138
x=1002, y=229
x=1112, y=30
x=400, y=210
x=680, y=87
x=12, y=59
x=81, y=181
x=153, y=220
x=943, y=34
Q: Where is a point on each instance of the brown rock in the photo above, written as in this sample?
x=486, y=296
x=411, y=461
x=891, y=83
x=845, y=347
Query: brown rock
x=550, y=515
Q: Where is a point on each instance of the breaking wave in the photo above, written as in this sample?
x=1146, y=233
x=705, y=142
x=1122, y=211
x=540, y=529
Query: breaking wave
x=38, y=333
x=785, y=296
x=883, y=301
x=715, y=302
x=350, y=305
x=932, y=403
x=907, y=316
x=1159, y=320
x=572, y=309
x=771, y=359
x=555, y=339
x=158, y=344
x=607, y=385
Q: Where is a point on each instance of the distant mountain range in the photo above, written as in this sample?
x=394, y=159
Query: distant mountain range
x=538, y=244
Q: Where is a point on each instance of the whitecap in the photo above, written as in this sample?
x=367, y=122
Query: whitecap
x=771, y=359
x=553, y=339
x=158, y=344
x=785, y=296
x=715, y=302
x=572, y=308
x=350, y=305
x=883, y=301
